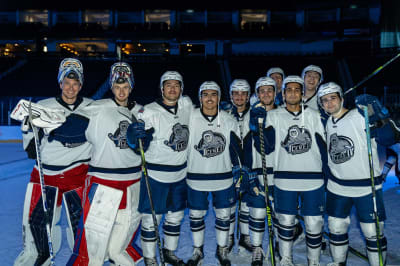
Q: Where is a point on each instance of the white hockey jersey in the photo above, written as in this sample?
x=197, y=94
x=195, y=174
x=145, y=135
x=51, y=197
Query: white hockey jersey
x=312, y=102
x=166, y=157
x=243, y=120
x=55, y=156
x=296, y=140
x=213, y=150
x=348, y=156
x=104, y=125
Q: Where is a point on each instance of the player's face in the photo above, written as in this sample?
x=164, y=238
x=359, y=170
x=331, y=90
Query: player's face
x=293, y=93
x=171, y=90
x=70, y=89
x=209, y=100
x=331, y=103
x=121, y=92
x=278, y=80
x=311, y=79
x=240, y=98
x=266, y=94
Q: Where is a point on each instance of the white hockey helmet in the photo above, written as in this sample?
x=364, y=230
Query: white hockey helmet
x=315, y=69
x=121, y=72
x=239, y=85
x=278, y=70
x=209, y=85
x=327, y=88
x=171, y=75
x=292, y=79
x=265, y=81
x=71, y=68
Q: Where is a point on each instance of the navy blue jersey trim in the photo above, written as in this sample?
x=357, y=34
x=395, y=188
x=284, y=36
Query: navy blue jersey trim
x=259, y=171
x=298, y=175
x=166, y=168
x=130, y=170
x=357, y=182
x=62, y=167
x=221, y=176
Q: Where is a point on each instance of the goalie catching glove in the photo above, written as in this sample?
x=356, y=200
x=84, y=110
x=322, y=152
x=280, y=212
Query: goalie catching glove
x=42, y=117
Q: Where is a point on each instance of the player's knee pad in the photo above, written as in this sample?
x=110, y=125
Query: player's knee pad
x=314, y=226
x=369, y=232
x=257, y=219
x=172, y=229
x=286, y=226
x=197, y=220
x=222, y=218
x=73, y=208
x=338, y=236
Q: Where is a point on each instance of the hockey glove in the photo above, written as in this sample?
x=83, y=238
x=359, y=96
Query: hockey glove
x=250, y=181
x=376, y=111
x=135, y=132
x=256, y=112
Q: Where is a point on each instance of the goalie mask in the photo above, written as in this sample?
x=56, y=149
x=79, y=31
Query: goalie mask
x=121, y=72
x=71, y=68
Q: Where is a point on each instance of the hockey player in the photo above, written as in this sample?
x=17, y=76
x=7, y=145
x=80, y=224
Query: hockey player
x=265, y=89
x=277, y=74
x=166, y=165
x=295, y=133
x=213, y=154
x=350, y=182
x=64, y=167
x=240, y=92
x=313, y=77
x=110, y=218
x=392, y=158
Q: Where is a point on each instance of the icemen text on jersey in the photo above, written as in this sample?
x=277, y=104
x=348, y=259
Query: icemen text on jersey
x=297, y=143
x=348, y=156
x=210, y=148
x=170, y=140
x=56, y=156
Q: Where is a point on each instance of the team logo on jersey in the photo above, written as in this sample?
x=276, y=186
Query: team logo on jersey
x=211, y=144
x=297, y=141
x=341, y=148
x=179, y=138
x=119, y=136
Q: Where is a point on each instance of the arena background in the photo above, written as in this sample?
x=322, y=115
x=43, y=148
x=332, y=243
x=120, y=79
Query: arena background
x=203, y=40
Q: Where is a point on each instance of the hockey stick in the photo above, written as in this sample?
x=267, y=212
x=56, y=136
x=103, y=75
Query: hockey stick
x=153, y=213
x=371, y=171
x=351, y=250
x=267, y=201
x=42, y=186
x=376, y=71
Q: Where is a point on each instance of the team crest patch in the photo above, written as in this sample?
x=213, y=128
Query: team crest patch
x=211, y=144
x=179, y=138
x=341, y=148
x=119, y=136
x=297, y=141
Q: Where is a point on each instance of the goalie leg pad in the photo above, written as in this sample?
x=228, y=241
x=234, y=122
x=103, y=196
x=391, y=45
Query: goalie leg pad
x=122, y=248
x=148, y=235
x=172, y=229
x=257, y=225
x=100, y=206
x=73, y=209
x=35, y=241
x=338, y=237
